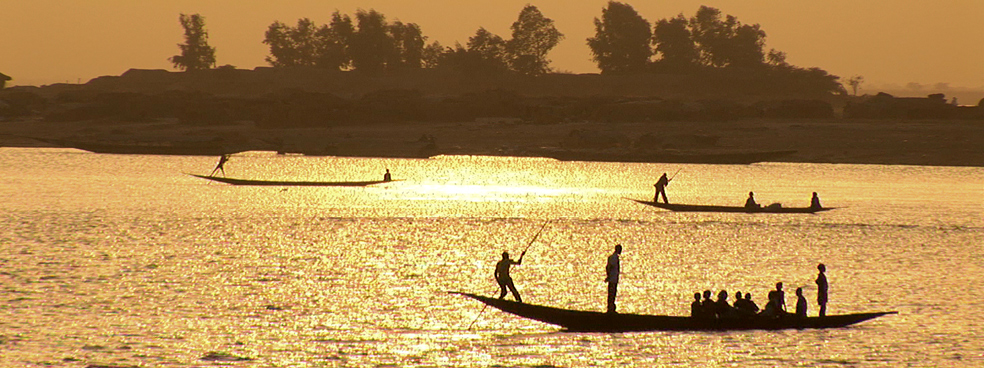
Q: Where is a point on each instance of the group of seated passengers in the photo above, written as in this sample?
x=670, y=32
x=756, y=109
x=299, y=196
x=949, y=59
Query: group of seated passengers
x=745, y=307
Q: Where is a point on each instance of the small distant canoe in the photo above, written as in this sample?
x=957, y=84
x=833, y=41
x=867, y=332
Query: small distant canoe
x=706, y=208
x=293, y=183
x=585, y=321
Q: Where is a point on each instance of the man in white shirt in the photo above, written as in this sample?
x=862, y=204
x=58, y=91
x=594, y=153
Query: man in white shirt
x=612, y=269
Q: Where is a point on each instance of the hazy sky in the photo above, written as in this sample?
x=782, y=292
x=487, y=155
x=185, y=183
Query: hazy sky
x=886, y=41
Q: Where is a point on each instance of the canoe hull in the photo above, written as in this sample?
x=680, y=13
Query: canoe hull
x=706, y=208
x=292, y=183
x=586, y=321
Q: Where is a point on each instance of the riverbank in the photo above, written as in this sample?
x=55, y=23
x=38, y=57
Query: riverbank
x=844, y=141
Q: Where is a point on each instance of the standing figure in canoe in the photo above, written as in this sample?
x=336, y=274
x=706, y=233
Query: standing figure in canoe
x=612, y=269
x=750, y=202
x=221, y=166
x=661, y=188
x=387, y=176
x=822, y=289
x=780, y=297
x=504, y=279
x=815, y=202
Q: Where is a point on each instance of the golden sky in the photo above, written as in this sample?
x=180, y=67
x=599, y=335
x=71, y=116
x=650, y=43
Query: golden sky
x=886, y=41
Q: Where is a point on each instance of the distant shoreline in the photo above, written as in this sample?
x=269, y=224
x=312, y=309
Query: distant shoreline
x=835, y=141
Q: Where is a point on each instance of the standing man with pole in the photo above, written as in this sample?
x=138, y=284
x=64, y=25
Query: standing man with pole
x=502, y=269
x=502, y=275
x=661, y=187
x=612, y=270
x=221, y=165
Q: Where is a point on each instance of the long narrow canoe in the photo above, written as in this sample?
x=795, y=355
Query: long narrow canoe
x=585, y=321
x=292, y=183
x=708, y=208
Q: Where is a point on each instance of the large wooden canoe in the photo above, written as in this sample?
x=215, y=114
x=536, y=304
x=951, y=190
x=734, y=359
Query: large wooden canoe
x=292, y=183
x=585, y=321
x=709, y=208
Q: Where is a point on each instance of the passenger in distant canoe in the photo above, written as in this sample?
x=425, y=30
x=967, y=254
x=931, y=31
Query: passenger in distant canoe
x=387, y=176
x=724, y=309
x=612, y=270
x=741, y=305
x=221, y=166
x=707, y=305
x=504, y=279
x=696, y=311
x=750, y=202
x=661, y=188
x=822, y=289
x=800, y=303
x=772, y=309
x=815, y=201
x=754, y=308
x=780, y=297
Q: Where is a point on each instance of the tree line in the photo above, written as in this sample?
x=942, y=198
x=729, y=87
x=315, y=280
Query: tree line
x=624, y=43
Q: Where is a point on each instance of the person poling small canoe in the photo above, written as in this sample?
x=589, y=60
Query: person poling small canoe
x=660, y=185
x=220, y=166
x=502, y=276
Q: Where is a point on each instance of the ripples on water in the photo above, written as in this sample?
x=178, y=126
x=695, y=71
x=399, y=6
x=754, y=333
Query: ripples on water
x=124, y=260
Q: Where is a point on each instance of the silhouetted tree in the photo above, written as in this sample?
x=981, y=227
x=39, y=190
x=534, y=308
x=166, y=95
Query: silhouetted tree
x=196, y=54
x=486, y=53
x=3, y=80
x=432, y=55
x=675, y=47
x=491, y=49
x=621, y=41
x=372, y=47
x=726, y=42
x=409, y=42
x=777, y=59
x=533, y=35
x=292, y=46
x=333, y=43
x=855, y=83
x=745, y=46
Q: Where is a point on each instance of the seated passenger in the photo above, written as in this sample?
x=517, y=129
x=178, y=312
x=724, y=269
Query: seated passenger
x=815, y=201
x=707, y=306
x=754, y=308
x=695, y=308
x=800, y=303
x=750, y=202
x=741, y=305
x=772, y=309
x=723, y=309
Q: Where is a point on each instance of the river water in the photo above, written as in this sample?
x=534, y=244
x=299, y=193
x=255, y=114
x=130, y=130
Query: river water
x=127, y=261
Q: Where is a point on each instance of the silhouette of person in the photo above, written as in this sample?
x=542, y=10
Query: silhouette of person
x=707, y=305
x=750, y=304
x=504, y=279
x=661, y=188
x=221, y=165
x=742, y=306
x=780, y=297
x=750, y=202
x=822, y=289
x=800, y=303
x=723, y=308
x=612, y=270
x=387, y=176
x=772, y=307
x=815, y=201
x=695, y=308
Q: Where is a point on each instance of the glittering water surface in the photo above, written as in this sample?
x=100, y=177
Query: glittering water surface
x=127, y=261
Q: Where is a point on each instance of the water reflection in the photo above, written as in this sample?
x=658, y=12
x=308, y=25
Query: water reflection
x=125, y=260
